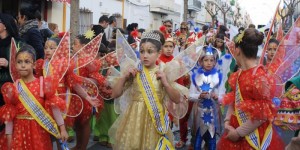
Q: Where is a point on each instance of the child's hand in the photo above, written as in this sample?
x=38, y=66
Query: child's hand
x=63, y=133
x=130, y=73
x=3, y=62
x=160, y=75
x=203, y=95
x=94, y=102
x=232, y=134
x=214, y=96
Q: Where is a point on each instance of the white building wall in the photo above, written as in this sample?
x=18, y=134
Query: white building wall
x=101, y=7
x=55, y=15
x=135, y=12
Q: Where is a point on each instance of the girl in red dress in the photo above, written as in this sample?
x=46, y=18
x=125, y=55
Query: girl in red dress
x=29, y=106
x=248, y=122
x=87, y=72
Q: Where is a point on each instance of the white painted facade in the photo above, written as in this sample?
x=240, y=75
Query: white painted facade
x=135, y=11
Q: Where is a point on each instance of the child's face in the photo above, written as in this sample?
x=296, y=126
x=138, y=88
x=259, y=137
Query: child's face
x=219, y=43
x=139, y=35
x=49, y=49
x=168, y=48
x=25, y=64
x=208, y=63
x=76, y=45
x=272, y=47
x=148, y=54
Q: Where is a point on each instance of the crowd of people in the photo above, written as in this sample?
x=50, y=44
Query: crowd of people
x=130, y=87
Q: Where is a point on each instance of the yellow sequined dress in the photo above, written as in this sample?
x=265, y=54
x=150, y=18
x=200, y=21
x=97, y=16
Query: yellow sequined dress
x=134, y=129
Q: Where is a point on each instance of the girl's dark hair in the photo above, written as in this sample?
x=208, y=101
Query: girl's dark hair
x=29, y=11
x=222, y=29
x=28, y=49
x=274, y=41
x=220, y=36
x=82, y=39
x=56, y=40
x=157, y=44
x=251, y=40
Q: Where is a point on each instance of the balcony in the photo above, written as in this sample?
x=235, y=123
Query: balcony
x=194, y=5
x=164, y=7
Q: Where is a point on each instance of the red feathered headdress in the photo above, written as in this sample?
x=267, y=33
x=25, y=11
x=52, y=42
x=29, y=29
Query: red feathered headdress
x=134, y=33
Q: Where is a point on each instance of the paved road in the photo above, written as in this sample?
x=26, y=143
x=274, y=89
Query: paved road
x=286, y=136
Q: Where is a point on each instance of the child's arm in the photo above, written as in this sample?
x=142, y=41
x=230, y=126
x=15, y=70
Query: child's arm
x=60, y=122
x=118, y=88
x=173, y=94
x=8, y=132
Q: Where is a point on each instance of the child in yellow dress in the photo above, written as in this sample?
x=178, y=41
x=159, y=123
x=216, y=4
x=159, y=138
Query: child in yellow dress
x=144, y=123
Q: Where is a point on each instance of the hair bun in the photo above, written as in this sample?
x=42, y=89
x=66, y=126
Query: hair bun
x=253, y=37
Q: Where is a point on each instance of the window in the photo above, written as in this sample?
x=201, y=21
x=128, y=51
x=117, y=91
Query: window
x=85, y=20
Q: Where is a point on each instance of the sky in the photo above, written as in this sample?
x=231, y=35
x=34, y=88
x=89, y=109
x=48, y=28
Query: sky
x=261, y=11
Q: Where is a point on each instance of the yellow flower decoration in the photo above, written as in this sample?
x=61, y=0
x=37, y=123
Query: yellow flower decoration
x=89, y=34
x=239, y=38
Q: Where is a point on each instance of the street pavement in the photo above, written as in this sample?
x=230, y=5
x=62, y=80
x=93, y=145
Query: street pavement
x=286, y=136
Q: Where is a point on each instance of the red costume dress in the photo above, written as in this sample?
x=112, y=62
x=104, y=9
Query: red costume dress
x=256, y=90
x=90, y=71
x=27, y=133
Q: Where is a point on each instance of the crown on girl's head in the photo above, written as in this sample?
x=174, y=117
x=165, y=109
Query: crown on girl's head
x=151, y=35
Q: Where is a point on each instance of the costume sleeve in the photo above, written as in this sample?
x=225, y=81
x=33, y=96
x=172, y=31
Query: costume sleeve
x=194, y=93
x=230, y=97
x=39, y=68
x=50, y=88
x=260, y=107
x=10, y=94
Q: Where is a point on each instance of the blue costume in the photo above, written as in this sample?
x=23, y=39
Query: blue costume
x=205, y=120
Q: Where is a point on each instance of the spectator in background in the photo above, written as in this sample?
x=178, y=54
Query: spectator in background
x=100, y=27
x=222, y=29
x=112, y=24
x=54, y=28
x=112, y=44
x=8, y=30
x=43, y=27
x=140, y=32
x=169, y=25
x=29, y=30
x=130, y=28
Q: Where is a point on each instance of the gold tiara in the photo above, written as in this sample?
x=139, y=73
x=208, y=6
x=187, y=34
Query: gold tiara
x=151, y=35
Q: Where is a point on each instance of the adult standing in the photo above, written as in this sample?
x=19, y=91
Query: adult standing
x=29, y=30
x=99, y=28
x=169, y=25
x=112, y=25
x=8, y=30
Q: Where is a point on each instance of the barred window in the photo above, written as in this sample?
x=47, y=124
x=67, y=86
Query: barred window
x=85, y=20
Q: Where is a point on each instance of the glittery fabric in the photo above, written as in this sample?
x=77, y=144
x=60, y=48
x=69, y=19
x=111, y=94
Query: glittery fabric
x=134, y=128
x=257, y=90
x=27, y=133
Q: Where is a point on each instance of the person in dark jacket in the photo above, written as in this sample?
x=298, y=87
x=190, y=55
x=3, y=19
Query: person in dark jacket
x=29, y=30
x=8, y=30
x=99, y=28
